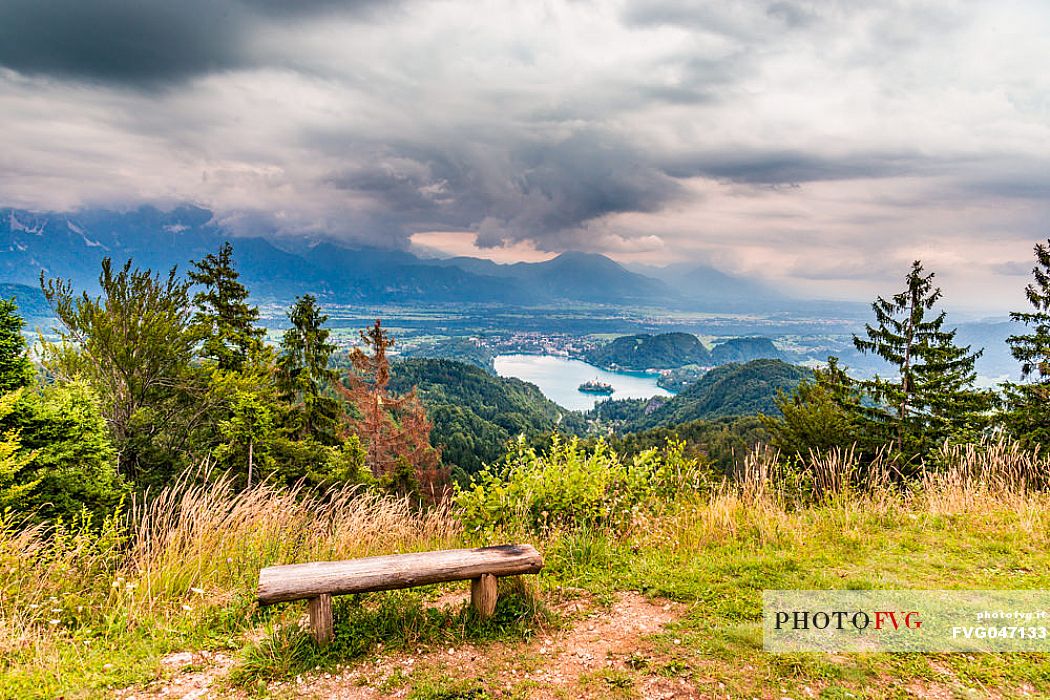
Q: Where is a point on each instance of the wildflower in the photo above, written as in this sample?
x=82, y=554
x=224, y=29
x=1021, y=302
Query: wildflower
x=56, y=610
x=198, y=591
x=54, y=622
x=33, y=606
x=187, y=608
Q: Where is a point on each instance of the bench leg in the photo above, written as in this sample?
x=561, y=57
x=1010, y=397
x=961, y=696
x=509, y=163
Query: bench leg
x=320, y=609
x=483, y=595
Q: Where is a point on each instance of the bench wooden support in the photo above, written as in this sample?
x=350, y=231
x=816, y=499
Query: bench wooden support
x=319, y=581
x=320, y=611
x=483, y=595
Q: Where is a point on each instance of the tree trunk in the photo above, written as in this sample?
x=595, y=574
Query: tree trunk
x=909, y=338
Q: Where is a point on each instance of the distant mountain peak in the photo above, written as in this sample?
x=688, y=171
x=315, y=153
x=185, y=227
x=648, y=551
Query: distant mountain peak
x=159, y=239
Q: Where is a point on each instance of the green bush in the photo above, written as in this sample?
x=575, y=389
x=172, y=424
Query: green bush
x=73, y=465
x=570, y=487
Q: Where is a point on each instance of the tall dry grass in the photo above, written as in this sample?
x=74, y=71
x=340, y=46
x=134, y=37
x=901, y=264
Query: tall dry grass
x=190, y=548
x=768, y=498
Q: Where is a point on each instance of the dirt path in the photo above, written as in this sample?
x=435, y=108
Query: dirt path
x=603, y=652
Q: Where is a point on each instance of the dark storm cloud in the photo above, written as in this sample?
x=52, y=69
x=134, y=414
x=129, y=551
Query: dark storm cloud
x=529, y=190
x=773, y=167
x=650, y=127
x=741, y=20
x=142, y=43
x=124, y=41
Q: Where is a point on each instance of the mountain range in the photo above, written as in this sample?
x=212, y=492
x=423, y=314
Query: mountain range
x=71, y=245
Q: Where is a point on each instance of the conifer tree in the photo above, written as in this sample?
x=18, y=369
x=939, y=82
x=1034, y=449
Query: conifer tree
x=224, y=315
x=1029, y=403
x=820, y=415
x=932, y=397
x=304, y=377
x=16, y=371
x=248, y=432
x=394, y=429
x=13, y=460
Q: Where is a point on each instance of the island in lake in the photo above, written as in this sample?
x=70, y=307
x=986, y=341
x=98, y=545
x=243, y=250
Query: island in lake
x=596, y=387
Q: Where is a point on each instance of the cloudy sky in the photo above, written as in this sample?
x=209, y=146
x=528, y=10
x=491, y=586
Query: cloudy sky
x=820, y=144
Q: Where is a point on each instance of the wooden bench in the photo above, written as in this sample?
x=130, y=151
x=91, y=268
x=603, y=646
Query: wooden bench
x=319, y=581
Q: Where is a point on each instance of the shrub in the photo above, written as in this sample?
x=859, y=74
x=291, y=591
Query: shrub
x=569, y=487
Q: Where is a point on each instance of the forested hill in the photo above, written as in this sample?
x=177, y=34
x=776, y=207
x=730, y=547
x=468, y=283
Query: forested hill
x=745, y=350
x=474, y=413
x=729, y=390
x=29, y=300
x=644, y=351
x=675, y=350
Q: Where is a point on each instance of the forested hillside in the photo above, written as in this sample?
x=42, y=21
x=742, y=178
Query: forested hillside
x=744, y=350
x=720, y=443
x=30, y=301
x=458, y=349
x=474, y=413
x=729, y=390
x=644, y=351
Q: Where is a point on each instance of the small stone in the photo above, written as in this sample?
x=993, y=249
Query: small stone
x=184, y=658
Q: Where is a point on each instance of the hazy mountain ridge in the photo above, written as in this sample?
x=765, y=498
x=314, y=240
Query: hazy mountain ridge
x=71, y=245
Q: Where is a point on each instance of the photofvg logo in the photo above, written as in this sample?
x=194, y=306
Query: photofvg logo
x=911, y=620
x=843, y=619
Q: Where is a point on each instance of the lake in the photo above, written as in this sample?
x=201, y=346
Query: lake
x=559, y=377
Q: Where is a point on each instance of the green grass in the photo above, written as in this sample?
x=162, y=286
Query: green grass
x=850, y=545
x=182, y=579
x=393, y=621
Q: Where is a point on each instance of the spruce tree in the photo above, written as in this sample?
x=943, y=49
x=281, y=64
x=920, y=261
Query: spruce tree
x=1029, y=403
x=224, y=315
x=820, y=415
x=394, y=429
x=304, y=377
x=933, y=397
x=247, y=433
x=16, y=371
x=13, y=459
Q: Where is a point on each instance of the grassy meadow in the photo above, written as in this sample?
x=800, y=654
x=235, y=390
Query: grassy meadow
x=90, y=608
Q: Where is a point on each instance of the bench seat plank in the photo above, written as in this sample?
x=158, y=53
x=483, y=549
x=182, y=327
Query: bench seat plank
x=298, y=581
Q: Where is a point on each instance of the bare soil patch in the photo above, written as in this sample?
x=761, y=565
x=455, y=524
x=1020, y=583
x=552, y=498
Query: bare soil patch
x=603, y=652
x=185, y=675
